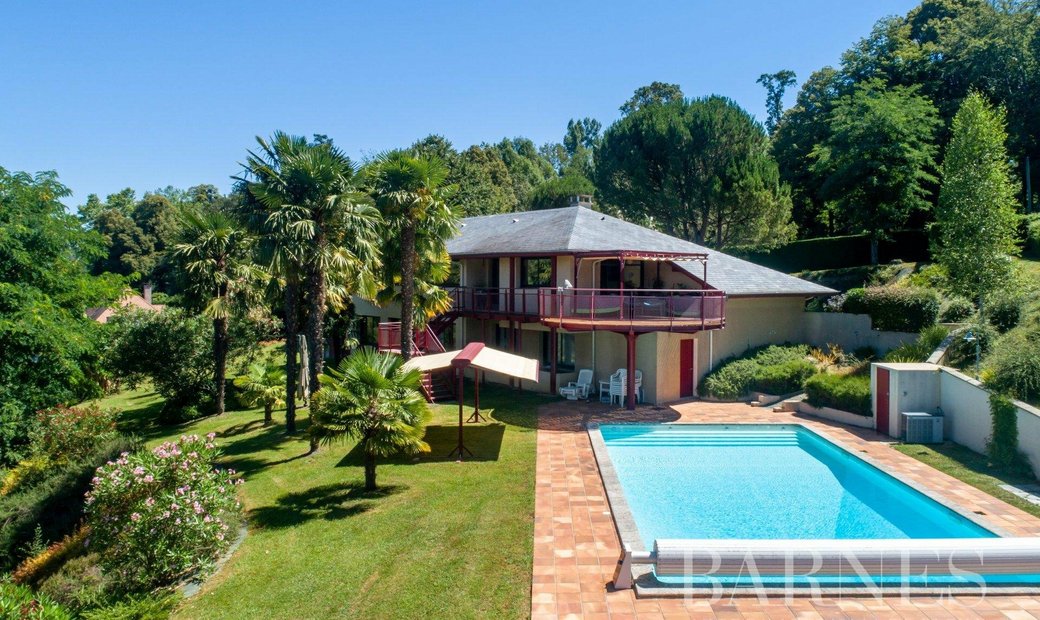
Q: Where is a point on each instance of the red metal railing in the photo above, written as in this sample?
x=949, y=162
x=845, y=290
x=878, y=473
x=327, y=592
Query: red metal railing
x=663, y=308
x=497, y=300
x=425, y=341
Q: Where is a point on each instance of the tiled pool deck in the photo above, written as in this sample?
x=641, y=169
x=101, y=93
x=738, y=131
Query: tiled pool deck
x=576, y=547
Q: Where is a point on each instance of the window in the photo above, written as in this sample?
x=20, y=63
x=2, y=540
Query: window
x=535, y=272
x=453, y=275
x=367, y=330
x=565, y=361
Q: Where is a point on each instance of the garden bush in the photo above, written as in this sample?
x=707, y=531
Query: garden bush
x=172, y=349
x=54, y=504
x=35, y=569
x=21, y=603
x=956, y=310
x=1014, y=366
x=920, y=349
x=155, y=606
x=1031, y=235
x=1003, y=312
x=783, y=378
x=1002, y=446
x=845, y=392
x=734, y=378
x=894, y=308
x=160, y=515
x=78, y=585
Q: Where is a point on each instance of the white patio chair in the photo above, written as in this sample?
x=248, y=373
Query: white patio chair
x=576, y=390
x=617, y=386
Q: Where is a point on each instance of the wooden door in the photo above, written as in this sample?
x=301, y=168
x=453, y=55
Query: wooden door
x=686, y=368
x=881, y=413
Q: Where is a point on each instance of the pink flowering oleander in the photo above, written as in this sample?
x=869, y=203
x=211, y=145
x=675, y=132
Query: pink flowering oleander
x=160, y=514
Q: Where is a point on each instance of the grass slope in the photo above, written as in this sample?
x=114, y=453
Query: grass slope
x=972, y=468
x=440, y=538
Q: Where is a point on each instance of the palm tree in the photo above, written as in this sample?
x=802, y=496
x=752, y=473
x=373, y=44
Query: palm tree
x=214, y=252
x=317, y=234
x=411, y=193
x=263, y=384
x=372, y=397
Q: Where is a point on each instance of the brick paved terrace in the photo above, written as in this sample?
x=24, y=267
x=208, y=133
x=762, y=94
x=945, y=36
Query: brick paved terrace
x=576, y=546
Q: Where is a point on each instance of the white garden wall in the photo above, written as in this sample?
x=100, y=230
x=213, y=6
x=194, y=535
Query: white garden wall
x=964, y=403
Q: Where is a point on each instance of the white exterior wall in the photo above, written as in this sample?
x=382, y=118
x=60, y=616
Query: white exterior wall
x=964, y=402
x=850, y=332
x=751, y=322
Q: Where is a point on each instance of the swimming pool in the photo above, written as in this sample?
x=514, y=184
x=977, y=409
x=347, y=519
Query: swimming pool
x=765, y=482
x=781, y=506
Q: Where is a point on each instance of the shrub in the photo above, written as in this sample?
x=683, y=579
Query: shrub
x=893, y=308
x=69, y=433
x=160, y=515
x=783, y=378
x=1003, y=312
x=54, y=503
x=1002, y=446
x=21, y=603
x=172, y=349
x=156, y=606
x=846, y=392
x=1014, y=366
x=956, y=310
x=920, y=349
x=932, y=275
x=1031, y=235
x=78, y=585
x=733, y=378
x=34, y=569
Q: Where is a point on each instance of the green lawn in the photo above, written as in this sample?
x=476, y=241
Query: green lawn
x=440, y=538
x=972, y=468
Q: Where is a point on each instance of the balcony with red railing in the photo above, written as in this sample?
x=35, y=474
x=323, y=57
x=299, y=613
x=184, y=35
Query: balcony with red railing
x=495, y=303
x=424, y=342
x=638, y=310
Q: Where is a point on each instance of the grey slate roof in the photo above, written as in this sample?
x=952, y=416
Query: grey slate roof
x=578, y=229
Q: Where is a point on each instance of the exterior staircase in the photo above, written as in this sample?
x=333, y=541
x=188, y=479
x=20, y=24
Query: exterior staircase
x=437, y=386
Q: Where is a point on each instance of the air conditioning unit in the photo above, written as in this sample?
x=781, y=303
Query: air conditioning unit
x=920, y=427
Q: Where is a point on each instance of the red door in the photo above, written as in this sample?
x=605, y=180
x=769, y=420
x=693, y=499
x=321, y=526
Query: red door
x=881, y=414
x=686, y=369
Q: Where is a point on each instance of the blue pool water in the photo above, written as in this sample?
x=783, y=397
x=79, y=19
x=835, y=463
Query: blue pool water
x=765, y=482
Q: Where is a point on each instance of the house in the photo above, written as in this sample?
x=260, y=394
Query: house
x=576, y=288
x=129, y=300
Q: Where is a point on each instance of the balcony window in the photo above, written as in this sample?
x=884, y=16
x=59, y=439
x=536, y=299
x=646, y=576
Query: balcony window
x=565, y=361
x=535, y=272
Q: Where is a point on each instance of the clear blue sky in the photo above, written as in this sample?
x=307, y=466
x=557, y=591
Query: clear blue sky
x=145, y=95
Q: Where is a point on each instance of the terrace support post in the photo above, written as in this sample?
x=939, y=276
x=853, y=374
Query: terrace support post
x=621, y=286
x=512, y=288
x=630, y=377
x=552, y=360
x=519, y=338
x=476, y=417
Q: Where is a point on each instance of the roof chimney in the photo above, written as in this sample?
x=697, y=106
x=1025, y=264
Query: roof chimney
x=146, y=292
x=582, y=200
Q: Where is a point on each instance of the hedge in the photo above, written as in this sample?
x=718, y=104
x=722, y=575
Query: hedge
x=55, y=504
x=845, y=392
x=783, y=378
x=1031, y=235
x=736, y=377
x=894, y=308
x=840, y=252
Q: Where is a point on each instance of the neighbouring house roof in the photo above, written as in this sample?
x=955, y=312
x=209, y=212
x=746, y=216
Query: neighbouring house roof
x=576, y=230
x=130, y=300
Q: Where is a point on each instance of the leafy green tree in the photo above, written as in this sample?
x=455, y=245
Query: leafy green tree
x=374, y=398
x=215, y=252
x=976, y=215
x=878, y=160
x=412, y=193
x=527, y=168
x=131, y=251
x=49, y=349
x=653, y=94
x=776, y=84
x=798, y=132
x=483, y=182
x=700, y=168
x=263, y=384
x=556, y=193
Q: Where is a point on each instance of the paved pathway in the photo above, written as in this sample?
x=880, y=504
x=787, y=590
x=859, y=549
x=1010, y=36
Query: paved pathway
x=576, y=547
